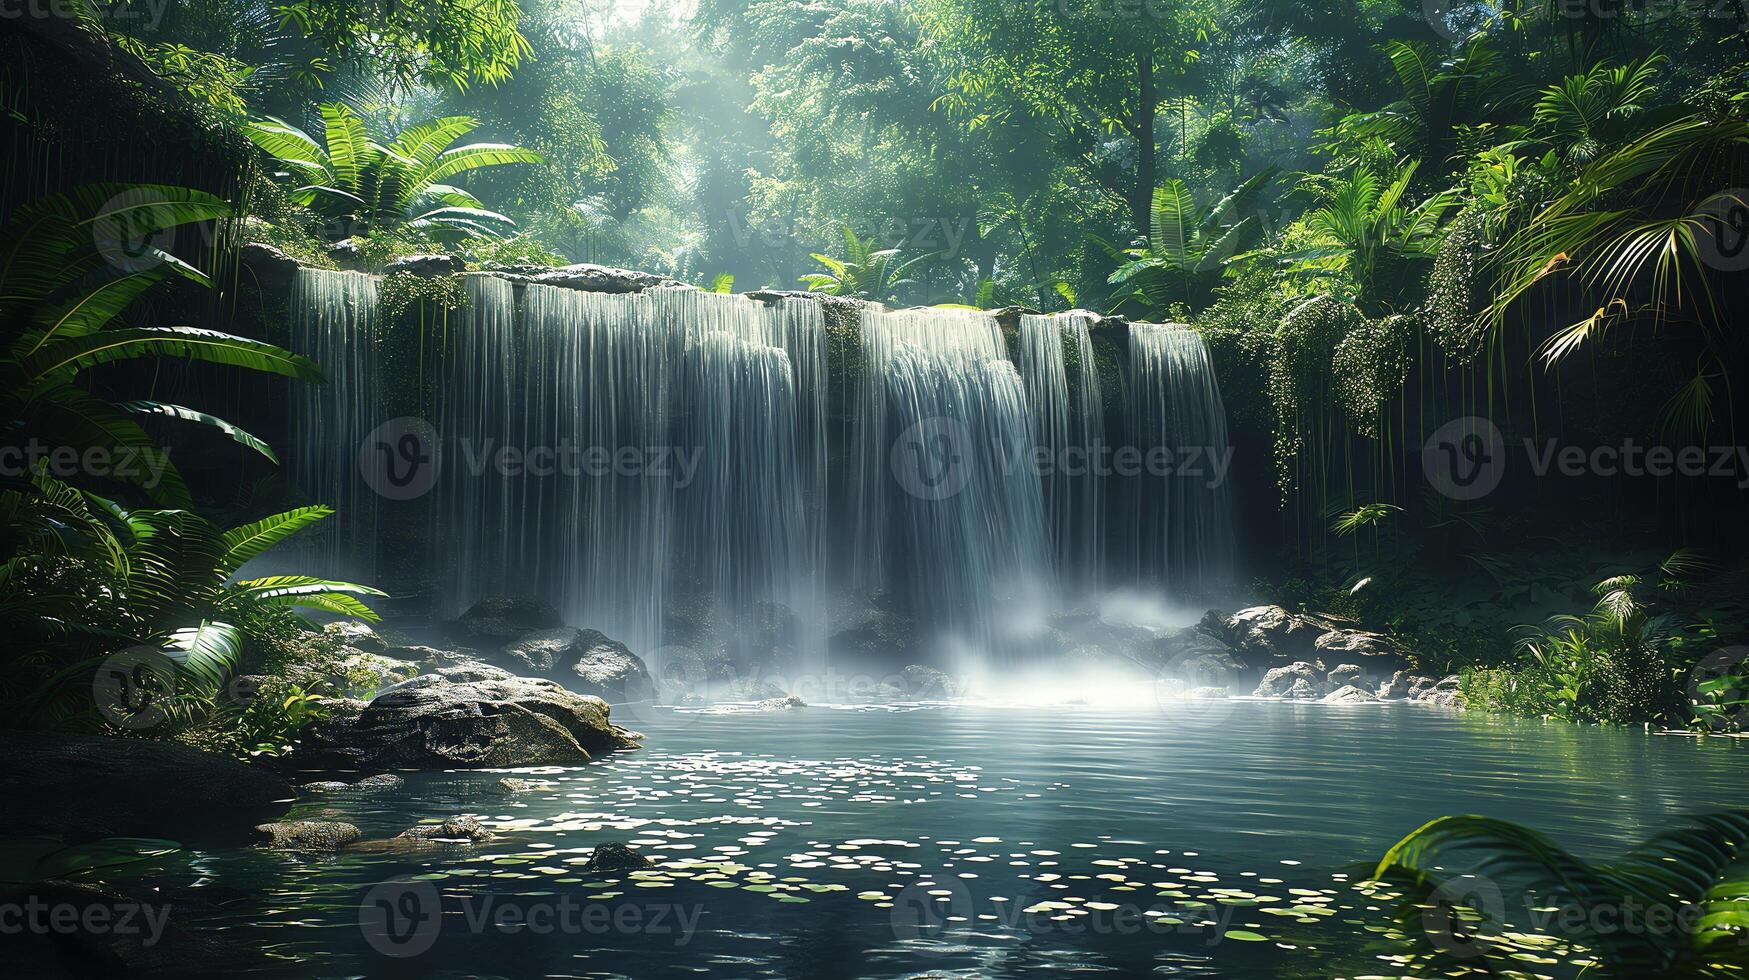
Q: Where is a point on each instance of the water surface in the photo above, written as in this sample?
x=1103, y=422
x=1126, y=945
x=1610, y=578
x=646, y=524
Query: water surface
x=978, y=841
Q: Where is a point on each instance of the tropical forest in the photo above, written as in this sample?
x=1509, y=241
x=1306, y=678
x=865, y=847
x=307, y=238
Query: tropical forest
x=874, y=488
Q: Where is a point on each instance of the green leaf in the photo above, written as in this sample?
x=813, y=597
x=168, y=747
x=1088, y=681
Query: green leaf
x=237, y=435
x=243, y=543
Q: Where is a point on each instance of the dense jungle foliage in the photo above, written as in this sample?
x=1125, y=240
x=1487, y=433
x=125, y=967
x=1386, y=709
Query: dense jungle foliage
x=1383, y=216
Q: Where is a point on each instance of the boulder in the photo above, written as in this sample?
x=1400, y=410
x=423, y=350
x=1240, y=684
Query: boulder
x=273, y=268
x=544, y=651
x=1278, y=681
x=356, y=635
x=1302, y=690
x=370, y=784
x=612, y=857
x=1374, y=651
x=86, y=786
x=585, y=277
x=371, y=671
x=512, y=785
x=430, y=266
x=1265, y=634
x=1446, y=693
x=453, y=829
x=1401, y=684
x=1346, y=675
x=432, y=722
x=782, y=704
x=1349, y=694
x=307, y=835
x=686, y=670
x=497, y=620
x=586, y=661
x=609, y=670
x=471, y=671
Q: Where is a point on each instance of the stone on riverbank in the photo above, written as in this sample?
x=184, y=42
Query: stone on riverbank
x=1281, y=682
x=612, y=856
x=432, y=722
x=307, y=835
x=1349, y=694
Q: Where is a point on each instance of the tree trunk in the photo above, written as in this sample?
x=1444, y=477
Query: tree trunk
x=1147, y=166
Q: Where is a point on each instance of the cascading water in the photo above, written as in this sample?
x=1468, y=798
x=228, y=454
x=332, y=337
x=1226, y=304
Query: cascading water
x=1068, y=413
x=609, y=451
x=659, y=458
x=1181, y=524
x=949, y=509
x=334, y=322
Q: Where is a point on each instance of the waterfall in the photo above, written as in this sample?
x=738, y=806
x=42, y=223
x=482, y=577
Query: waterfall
x=656, y=464
x=949, y=511
x=1068, y=413
x=1180, y=512
x=334, y=323
x=609, y=451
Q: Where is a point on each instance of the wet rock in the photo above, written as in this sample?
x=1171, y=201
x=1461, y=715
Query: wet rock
x=513, y=785
x=544, y=651
x=1210, y=693
x=1302, y=690
x=585, y=277
x=1374, y=651
x=379, y=783
x=84, y=786
x=273, y=268
x=356, y=635
x=1446, y=693
x=1279, y=681
x=432, y=722
x=782, y=704
x=453, y=829
x=372, y=671
x=1345, y=675
x=609, y=670
x=307, y=835
x=429, y=266
x=1262, y=634
x=687, y=670
x=612, y=856
x=919, y=681
x=1401, y=684
x=467, y=672
x=1349, y=694
x=497, y=620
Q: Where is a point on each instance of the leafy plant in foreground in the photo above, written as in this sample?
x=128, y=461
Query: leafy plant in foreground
x=1677, y=905
x=69, y=266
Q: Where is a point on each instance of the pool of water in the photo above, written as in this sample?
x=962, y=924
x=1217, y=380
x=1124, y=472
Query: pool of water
x=948, y=840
